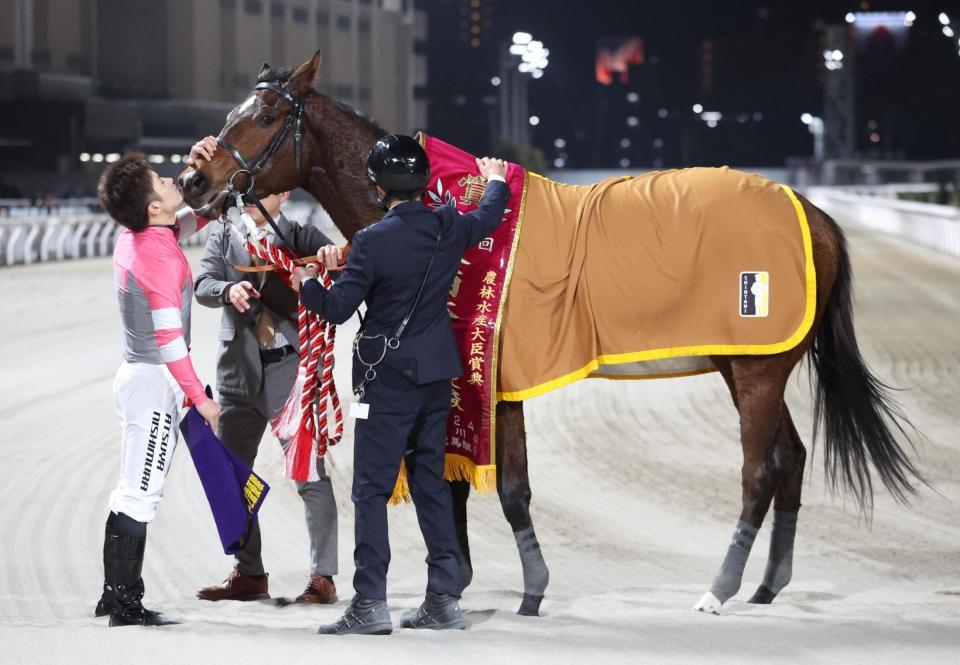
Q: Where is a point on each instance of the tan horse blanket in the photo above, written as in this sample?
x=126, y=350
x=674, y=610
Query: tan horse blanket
x=647, y=276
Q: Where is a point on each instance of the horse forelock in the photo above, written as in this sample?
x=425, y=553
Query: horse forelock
x=275, y=76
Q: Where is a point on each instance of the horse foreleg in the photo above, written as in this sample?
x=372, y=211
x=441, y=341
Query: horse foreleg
x=513, y=486
x=786, y=506
x=757, y=387
x=459, y=493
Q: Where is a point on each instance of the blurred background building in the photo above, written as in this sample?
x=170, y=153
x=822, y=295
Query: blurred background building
x=602, y=84
x=84, y=80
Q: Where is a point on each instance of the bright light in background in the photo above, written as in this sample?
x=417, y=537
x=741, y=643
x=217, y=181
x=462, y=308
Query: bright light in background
x=97, y=157
x=698, y=108
x=495, y=81
x=624, y=143
x=559, y=144
x=948, y=31
x=175, y=159
x=633, y=121
x=533, y=55
x=156, y=159
x=851, y=17
x=833, y=60
x=624, y=163
x=874, y=138
x=909, y=18
x=711, y=117
x=113, y=156
x=806, y=118
x=662, y=113
x=633, y=97
x=559, y=163
x=657, y=143
x=84, y=156
x=534, y=120
x=944, y=19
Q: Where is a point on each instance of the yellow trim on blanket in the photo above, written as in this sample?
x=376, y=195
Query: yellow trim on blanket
x=641, y=377
x=704, y=350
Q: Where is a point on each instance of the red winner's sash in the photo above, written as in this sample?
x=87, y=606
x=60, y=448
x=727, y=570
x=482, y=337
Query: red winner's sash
x=476, y=303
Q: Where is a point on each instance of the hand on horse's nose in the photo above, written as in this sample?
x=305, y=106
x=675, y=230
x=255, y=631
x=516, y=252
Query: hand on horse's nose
x=193, y=184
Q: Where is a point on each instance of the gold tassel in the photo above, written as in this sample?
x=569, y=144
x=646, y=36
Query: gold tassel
x=455, y=467
x=483, y=478
x=401, y=491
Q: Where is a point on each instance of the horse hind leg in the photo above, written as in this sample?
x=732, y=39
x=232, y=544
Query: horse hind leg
x=786, y=506
x=513, y=486
x=459, y=493
x=757, y=386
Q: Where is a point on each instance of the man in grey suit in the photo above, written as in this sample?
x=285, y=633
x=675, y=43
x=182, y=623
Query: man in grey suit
x=256, y=369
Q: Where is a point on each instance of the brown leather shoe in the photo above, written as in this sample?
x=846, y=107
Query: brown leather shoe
x=237, y=586
x=320, y=591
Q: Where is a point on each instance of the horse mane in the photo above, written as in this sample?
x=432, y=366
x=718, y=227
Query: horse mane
x=283, y=75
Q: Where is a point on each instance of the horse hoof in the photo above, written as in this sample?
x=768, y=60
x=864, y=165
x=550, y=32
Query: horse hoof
x=708, y=603
x=763, y=596
x=530, y=607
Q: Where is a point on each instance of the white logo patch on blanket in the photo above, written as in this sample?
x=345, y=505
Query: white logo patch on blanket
x=754, y=293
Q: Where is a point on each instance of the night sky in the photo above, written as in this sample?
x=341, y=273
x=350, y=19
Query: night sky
x=767, y=64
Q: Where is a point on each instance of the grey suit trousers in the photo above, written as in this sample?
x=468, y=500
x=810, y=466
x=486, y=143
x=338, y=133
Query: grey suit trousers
x=243, y=422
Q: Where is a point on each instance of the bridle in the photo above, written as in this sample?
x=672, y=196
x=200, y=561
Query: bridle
x=294, y=120
x=251, y=167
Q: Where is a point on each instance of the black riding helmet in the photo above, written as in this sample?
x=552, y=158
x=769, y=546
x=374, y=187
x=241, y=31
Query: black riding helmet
x=398, y=165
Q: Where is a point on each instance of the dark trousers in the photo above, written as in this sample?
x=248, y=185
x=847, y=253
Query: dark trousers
x=406, y=422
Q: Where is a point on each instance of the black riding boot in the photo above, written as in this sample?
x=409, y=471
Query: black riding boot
x=108, y=600
x=123, y=562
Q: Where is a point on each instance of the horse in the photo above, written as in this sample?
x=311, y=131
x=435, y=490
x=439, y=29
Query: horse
x=286, y=135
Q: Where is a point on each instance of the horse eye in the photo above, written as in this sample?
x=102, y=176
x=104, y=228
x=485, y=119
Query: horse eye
x=266, y=120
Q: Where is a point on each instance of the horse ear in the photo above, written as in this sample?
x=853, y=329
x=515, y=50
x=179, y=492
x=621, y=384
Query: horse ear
x=263, y=70
x=306, y=74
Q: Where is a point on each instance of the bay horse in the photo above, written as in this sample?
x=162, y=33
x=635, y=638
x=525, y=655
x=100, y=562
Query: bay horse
x=287, y=135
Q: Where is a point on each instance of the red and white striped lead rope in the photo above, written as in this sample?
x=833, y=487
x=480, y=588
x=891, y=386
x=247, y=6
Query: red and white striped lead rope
x=303, y=421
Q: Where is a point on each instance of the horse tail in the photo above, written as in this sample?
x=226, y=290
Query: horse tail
x=853, y=407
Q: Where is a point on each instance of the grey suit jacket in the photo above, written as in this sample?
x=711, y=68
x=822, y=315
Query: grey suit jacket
x=239, y=369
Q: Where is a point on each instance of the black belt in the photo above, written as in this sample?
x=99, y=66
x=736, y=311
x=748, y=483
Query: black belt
x=268, y=356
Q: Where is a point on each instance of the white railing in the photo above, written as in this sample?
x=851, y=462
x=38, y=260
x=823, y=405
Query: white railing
x=38, y=238
x=928, y=224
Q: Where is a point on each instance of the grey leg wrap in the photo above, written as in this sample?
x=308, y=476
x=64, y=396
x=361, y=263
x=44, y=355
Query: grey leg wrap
x=727, y=582
x=535, y=573
x=780, y=561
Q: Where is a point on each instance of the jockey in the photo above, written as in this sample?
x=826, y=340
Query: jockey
x=154, y=290
x=403, y=267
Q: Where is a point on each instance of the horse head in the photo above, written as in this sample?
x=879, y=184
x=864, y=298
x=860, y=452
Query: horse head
x=264, y=144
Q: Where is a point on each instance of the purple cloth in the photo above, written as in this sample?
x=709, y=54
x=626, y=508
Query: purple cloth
x=234, y=491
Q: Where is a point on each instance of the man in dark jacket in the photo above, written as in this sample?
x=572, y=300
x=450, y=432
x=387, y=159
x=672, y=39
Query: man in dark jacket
x=403, y=267
x=256, y=370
